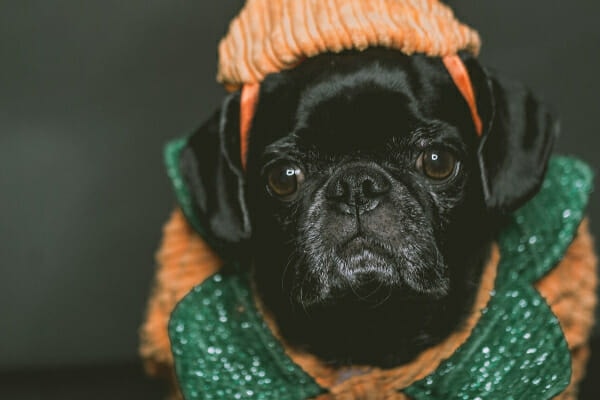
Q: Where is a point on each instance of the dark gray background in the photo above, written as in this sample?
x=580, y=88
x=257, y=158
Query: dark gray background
x=89, y=93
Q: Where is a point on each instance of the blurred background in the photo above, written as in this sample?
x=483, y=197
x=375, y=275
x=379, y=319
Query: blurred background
x=89, y=93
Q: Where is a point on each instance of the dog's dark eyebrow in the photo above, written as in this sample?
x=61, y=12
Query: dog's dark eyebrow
x=283, y=147
x=438, y=133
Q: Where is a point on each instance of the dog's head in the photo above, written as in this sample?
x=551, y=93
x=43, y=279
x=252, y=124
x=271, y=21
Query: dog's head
x=368, y=203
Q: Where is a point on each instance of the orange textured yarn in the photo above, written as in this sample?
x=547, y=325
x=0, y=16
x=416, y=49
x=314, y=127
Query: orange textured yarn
x=273, y=35
x=184, y=260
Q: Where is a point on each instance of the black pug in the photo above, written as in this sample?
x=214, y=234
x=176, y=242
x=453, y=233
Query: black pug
x=369, y=204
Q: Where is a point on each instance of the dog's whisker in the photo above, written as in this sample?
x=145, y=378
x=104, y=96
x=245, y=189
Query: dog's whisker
x=304, y=308
x=292, y=257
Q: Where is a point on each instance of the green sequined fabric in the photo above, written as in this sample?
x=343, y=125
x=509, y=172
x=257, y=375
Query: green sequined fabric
x=184, y=198
x=517, y=350
x=224, y=350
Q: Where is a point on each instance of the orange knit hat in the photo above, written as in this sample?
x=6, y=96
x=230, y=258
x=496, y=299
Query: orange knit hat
x=273, y=35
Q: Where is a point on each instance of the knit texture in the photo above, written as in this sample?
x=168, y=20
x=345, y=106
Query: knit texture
x=273, y=35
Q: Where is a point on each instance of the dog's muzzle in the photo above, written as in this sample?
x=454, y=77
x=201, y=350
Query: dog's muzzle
x=362, y=238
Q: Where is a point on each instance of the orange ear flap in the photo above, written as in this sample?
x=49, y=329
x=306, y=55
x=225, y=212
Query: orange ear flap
x=461, y=79
x=248, y=102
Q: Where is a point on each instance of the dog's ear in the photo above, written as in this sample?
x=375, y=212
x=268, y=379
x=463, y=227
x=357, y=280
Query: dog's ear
x=211, y=167
x=517, y=139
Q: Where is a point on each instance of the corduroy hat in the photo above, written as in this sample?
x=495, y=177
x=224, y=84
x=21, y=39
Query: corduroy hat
x=273, y=35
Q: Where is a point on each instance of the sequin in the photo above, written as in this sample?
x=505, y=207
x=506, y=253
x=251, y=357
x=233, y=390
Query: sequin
x=223, y=349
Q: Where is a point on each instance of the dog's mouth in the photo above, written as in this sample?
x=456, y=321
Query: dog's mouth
x=360, y=247
x=368, y=266
x=364, y=260
x=360, y=264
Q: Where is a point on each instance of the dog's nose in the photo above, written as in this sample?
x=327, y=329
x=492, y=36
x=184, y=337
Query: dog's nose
x=358, y=188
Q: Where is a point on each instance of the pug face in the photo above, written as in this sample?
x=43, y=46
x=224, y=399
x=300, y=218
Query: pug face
x=369, y=204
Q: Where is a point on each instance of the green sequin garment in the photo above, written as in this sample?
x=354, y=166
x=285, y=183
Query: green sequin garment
x=223, y=348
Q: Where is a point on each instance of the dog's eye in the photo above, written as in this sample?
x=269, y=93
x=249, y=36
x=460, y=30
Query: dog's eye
x=437, y=164
x=283, y=179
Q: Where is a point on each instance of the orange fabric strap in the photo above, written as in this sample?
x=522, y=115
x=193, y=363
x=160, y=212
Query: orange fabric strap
x=247, y=109
x=456, y=68
x=461, y=79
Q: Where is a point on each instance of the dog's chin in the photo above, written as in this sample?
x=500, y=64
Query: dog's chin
x=363, y=273
x=367, y=275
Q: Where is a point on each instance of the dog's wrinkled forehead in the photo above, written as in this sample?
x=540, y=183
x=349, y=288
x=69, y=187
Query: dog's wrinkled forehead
x=348, y=102
x=358, y=104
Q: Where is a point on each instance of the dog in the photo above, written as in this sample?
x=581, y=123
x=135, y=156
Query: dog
x=368, y=205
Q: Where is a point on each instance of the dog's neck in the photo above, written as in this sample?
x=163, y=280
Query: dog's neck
x=426, y=362
x=386, y=333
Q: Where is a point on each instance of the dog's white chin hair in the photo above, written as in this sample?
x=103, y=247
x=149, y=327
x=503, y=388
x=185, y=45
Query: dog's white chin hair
x=367, y=277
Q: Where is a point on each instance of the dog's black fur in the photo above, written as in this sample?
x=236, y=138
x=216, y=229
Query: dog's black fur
x=370, y=260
